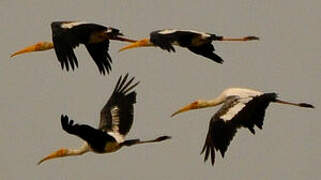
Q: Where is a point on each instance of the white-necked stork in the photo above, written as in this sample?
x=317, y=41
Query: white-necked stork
x=198, y=42
x=116, y=119
x=67, y=35
x=241, y=108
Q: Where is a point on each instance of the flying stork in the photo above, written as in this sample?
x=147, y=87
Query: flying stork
x=67, y=35
x=197, y=42
x=241, y=108
x=116, y=119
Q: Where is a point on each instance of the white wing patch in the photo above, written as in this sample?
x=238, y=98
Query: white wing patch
x=236, y=108
x=241, y=92
x=170, y=31
x=203, y=34
x=119, y=138
x=115, y=118
x=72, y=24
x=115, y=125
x=167, y=31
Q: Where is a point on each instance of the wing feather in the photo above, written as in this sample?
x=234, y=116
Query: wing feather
x=164, y=41
x=94, y=137
x=117, y=115
x=245, y=112
x=206, y=50
x=99, y=53
x=68, y=35
x=64, y=42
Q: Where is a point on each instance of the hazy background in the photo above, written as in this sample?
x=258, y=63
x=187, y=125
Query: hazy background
x=35, y=91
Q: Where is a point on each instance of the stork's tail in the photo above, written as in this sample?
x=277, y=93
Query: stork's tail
x=306, y=105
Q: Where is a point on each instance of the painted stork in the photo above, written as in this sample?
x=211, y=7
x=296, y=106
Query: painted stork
x=241, y=108
x=197, y=42
x=67, y=35
x=116, y=119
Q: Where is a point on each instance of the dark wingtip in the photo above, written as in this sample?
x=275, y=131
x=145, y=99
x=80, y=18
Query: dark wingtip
x=306, y=105
x=63, y=117
x=222, y=153
x=252, y=38
x=102, y=72
x=162, y=138
x=64, y=120
x=220, y=61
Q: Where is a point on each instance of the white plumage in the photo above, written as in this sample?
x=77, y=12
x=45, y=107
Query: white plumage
x=241, y=108
x=72, y=24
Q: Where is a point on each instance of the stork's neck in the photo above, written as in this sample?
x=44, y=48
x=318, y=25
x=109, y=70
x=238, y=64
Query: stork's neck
x=66, y=152
x=198, y=104
x=82, y=150
x=210, y=103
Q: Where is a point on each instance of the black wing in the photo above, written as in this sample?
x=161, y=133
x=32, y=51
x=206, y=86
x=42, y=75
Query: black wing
x=64, y=42
x=66, y=36
x=221, y=130
x=99, y=53
x=206, y=50
x=96, y=138
x=117, y=115
x=164, y=41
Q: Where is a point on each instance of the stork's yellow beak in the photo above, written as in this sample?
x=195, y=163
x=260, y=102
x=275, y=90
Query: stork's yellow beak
x=40, y=46
x=141, y=43
x=57, y=154
x=194, y=105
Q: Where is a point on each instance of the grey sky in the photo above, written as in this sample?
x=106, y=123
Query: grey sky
x=35, y=92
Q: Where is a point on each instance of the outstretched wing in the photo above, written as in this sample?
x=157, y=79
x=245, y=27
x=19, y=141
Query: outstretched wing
x=116, y=118
x=206, y=50
x=235, y=113
x=220, y=132
x=164, y=39
x=99, y=53
x=96, y=138
x=64, y=42
x=68, y=35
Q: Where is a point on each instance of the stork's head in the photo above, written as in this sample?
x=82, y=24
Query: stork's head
x=198, y=104
x=60, y=153
x=115, y=34
x=194, y=105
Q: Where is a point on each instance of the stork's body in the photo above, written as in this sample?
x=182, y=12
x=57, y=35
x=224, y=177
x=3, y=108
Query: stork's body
x=241, y=108
x=67, y=35
x=116, y=119
x=197, y=42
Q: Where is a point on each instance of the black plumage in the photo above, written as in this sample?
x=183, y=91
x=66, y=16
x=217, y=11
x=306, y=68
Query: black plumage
x=124, y=102
x=221, y=131
x=112, y=127
x=115, y=122
x=96, y=138
x=197, y=42
x=68, y=35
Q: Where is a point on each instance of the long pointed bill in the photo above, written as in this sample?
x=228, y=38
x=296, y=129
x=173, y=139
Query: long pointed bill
x=247, y=38
x=57, y=154
x=191, y=106
x=40, y=46
x=118, y=38
x=141, y=43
